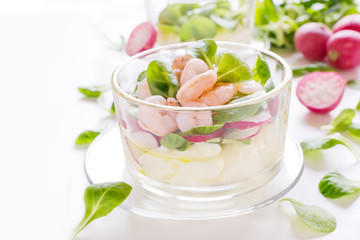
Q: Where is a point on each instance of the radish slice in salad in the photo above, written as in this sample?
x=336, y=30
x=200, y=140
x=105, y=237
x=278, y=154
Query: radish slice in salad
x=202, y=138
x=143, y=37
x=241, y=134
x=321, y=92
x=145, y=139
x=257, y=120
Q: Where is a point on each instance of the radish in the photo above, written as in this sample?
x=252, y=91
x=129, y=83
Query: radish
x=143, y=37
x=349, y=22
x=273, y=106
x=132, y=123
x=257, y=120
x=135, y=153
x=241, y=134
x=122, y=123
x=321, y=92
x=203, y=138
x=343, y=49
x=310, y=39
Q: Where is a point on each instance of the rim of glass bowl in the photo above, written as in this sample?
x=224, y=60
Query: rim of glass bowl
x=286, y=79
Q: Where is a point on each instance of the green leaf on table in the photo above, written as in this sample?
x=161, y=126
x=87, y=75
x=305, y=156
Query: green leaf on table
x=205, y=50
x=231, y=69
x=315, y=217
x=100, y=199
x=92, y=92
x=358, y=106
x=86, y=137
x=174, y=141
x=161, y=80
x=112, y=108
x=354, y=84
x=322, y=143
x=202, y=130
x=314, y=67
x=335, y=185
x=354, y=129
x=341, y=122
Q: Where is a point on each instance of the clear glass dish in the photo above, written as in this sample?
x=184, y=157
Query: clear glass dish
x=189, y=20
x=217, y=167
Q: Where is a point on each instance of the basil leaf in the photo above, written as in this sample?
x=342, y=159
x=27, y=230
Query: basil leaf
x=354, y=129
x=358, y=106
x=236, y=114
x=91, y=92
x=341, y=122
x=314, y=144
x=354, y=84
x=315, y=217
x=173, y=140
x=335, y=185
x=269, y=85
x=202, y=130
x=101, y=199
x=161, y=80
x=112, y=108
x=231, y=69
x=205, y=50
x=172, y=14
x=314, y=67
x=261, y=70
x=186, y=31
x=141, y=77
x=203, y=27
x=86, y=137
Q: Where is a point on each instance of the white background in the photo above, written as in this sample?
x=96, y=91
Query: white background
x=47, y=50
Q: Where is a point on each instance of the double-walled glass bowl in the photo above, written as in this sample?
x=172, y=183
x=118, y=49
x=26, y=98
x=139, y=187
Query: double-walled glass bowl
x=213, y=166
x=189, y=20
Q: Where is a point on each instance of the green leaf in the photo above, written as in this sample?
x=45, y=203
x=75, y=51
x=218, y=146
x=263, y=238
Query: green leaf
x=231, y=69
x=358, y=106
x=236, y=114
x=203, y=27
x=205, y=50
x=335, y=185
x=354, y=84
x=314, y=67
x=86, y=137
x=269, y=85
x=354, y=129
x=141, y=77
x=228, y=24
x=315, y=217
x=174, y=141
x=161, y=80
x=101, y=199
x=172, y=14
x=91, y=92
x=186, y=32
x=261, y=70
x=112, y=108
x=341, y=122
x=202, y=130
x=315, y=144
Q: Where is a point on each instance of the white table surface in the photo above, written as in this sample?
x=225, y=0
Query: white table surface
x=48, y=49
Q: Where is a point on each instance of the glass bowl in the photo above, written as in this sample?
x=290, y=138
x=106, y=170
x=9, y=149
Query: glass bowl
x=242, y=153
x=189, y=20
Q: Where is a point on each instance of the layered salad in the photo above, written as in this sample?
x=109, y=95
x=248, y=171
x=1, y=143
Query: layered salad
x=193, y=133
x=222, y=20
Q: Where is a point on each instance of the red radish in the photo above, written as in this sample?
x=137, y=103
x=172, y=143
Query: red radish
x=343, y=49
x=135, y=153
x=122, y=123
x=132, y=123
x=144, y=139
x=310, y=39
x=143, y=37
x=257, y=120
x=241, y=134
x=321, y=92
x=349, y=22
x=203, y=138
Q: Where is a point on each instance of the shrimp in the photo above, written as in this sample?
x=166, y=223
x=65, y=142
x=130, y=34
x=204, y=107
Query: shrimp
x=157, y=121
x=178, y=64
x=249, y=87
x=188, y=120
x=143, y=90
x=219, y=95
x=195, y=87
x=193, y=67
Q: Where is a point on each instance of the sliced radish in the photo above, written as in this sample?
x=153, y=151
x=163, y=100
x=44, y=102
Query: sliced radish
x=144, y=139
x=203, y=138
x=241, y=134
x=122, y=123
x=143, y=37
x=132, y=123
x=135, y=153
x=273, y=106
x=321, y=92
x=257, y=120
